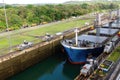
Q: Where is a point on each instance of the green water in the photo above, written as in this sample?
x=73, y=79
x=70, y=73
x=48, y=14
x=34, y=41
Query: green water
x=53, y=68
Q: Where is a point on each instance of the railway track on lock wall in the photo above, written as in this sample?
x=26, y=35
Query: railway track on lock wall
x=82, y=77
x=100, y=59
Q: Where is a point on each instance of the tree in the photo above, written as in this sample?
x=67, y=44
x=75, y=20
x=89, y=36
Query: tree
x=15, y=21
x=84, y=6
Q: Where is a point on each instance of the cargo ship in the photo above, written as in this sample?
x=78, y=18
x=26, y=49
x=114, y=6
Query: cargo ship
x=80, y=47
x=91, y=44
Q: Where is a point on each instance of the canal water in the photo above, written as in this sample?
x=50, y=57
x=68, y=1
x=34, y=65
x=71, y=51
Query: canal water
x=55, y=67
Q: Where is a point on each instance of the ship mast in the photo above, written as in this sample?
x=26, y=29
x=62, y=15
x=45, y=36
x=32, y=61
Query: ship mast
x=98, y=25
x=76, y=36
x=110, y=23
x=118, y=15
x=6, y=20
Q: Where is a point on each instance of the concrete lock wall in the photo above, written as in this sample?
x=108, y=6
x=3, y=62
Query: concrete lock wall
x=21, y=60
x=26, y=59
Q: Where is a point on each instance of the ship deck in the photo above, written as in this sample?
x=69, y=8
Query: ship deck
x=105, y=32
x=86, y=41
x=114, y=26
x=93, y=38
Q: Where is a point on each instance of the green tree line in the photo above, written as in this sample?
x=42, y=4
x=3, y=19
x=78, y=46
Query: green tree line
x=31, y=15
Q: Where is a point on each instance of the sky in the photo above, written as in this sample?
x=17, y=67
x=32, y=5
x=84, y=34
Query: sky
x=34, y=1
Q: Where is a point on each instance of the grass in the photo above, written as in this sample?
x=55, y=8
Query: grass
x=58, y=27
x=16, y=39
x=115, y=55
x=52, y=29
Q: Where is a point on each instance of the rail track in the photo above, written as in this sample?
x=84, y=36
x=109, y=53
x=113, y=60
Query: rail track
x=81, y=77
x=100, y=59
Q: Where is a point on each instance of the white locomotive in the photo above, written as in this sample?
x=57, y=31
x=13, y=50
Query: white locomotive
x=25, y=45
x=88, y=68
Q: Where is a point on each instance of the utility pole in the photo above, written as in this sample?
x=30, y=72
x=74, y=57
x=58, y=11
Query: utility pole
x=6, y=20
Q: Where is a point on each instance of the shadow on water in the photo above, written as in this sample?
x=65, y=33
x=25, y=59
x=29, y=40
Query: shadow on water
x=71, y=70
x=56, y=67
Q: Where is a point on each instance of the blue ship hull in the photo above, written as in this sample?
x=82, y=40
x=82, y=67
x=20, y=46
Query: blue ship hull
x=77, y=56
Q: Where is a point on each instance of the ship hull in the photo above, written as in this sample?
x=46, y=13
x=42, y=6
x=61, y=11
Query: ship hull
x=79, y=55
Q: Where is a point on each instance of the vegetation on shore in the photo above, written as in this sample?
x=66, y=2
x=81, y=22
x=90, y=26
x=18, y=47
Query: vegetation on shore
x=31, y=15
x=115, y=55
